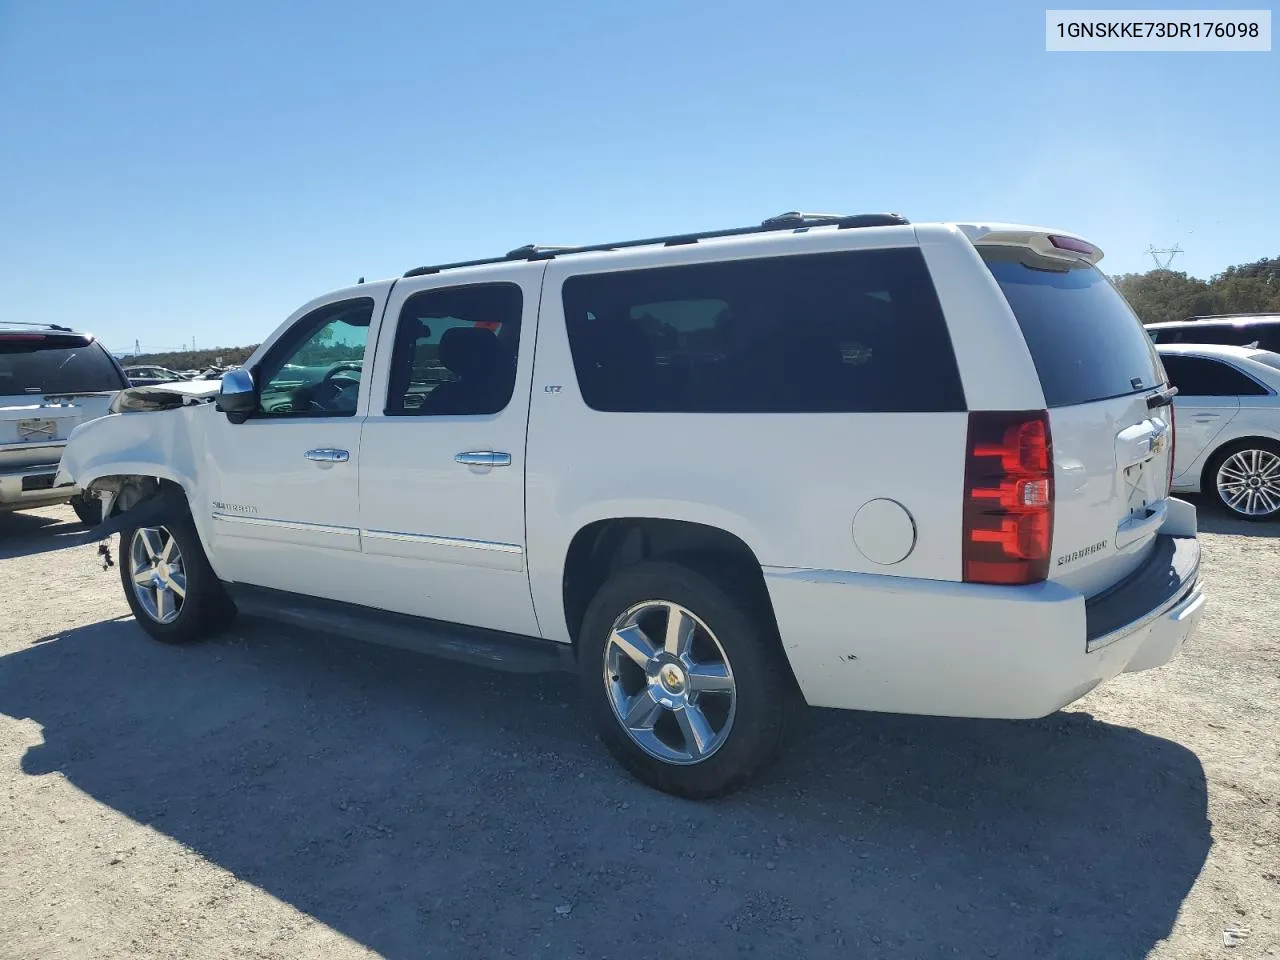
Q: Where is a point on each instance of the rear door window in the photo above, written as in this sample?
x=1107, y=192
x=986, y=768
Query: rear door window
x=855, y=331
x=40, y=363
x=1202, y=377
x=1086, y=342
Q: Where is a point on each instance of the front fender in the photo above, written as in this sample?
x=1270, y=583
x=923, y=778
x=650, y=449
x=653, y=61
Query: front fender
x=130, y=444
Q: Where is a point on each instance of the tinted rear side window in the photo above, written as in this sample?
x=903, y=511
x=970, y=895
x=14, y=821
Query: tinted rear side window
x=1201, y=377
x=1085, y=341
x=1265, y=336
x=857, y=331
x=55, y=364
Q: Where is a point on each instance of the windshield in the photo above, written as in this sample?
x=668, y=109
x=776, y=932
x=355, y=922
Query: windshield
x=1086, y=343
x=55, y=364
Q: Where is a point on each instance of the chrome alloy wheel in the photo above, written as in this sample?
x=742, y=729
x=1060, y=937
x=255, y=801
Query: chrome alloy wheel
x=1249, y=482
x=669, y=682
x=156, y=568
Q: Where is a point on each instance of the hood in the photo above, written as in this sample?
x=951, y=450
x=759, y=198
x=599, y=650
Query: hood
x=165, y=396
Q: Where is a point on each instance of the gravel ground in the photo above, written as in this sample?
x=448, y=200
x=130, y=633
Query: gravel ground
x=276, y=795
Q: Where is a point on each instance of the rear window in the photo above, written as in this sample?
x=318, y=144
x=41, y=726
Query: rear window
x=1087, y=344
x=31, y=364
x=856, y=331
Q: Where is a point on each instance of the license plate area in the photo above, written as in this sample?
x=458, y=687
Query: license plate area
x=37, y=429
x=38, y=481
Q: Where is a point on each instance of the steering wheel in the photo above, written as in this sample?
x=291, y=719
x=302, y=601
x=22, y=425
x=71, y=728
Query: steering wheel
x=322, y=395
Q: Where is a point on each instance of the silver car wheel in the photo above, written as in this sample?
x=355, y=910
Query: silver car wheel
x=669, y=682
x=158, y=575
x=1249, y=482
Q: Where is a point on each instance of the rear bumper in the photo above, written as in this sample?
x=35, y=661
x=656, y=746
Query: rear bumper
x=891, y=644
x=32, y=486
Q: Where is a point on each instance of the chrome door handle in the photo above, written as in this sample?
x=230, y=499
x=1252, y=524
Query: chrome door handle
x=328, y=455
x=484, y=458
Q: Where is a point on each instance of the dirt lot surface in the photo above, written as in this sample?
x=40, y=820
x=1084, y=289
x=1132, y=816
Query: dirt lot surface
x=277, y=795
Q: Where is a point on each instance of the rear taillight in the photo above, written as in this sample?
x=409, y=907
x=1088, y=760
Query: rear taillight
x=1173, y=445
x=1008, y=498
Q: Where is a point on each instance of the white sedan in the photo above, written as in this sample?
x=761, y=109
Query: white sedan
x=1227, y=441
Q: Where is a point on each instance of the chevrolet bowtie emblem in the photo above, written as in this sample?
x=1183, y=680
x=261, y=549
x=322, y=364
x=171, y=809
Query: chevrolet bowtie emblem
x=37, y=429
x=1158, y=443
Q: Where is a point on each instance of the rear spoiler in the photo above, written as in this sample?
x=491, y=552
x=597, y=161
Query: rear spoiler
x=1056, y=244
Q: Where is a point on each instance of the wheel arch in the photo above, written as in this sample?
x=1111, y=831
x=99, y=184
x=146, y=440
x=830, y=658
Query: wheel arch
x=601, y=548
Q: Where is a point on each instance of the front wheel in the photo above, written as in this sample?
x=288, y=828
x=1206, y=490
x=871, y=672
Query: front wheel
x=684, y=677
x=173, y=592
x=1245, y=478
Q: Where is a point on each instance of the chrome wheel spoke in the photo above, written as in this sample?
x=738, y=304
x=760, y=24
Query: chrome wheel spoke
x=635, y=644
x=164, y=604
x=143, y=575
x=642, y=711
x=680, y=630
x=150, y=540
x=178, y=584
x=698, y=734
x=167, y=551
x=710, y=678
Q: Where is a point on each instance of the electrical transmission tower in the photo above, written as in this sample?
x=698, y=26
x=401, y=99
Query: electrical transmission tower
x=1164, y=257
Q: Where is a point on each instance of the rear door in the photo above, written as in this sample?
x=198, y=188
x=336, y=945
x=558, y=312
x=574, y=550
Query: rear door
x=1208, y=399
x=442, y=469
x=1111, y=432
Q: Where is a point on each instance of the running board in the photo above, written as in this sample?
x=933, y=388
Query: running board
x=508, y=652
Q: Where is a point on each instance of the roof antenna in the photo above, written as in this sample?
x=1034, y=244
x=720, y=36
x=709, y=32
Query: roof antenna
x=361, y=280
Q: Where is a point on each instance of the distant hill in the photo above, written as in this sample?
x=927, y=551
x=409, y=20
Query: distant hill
x=191, y=359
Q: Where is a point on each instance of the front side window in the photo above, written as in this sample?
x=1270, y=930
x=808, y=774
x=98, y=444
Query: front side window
x=1201, y=377
x=855, y=331
x=315, y=369
x=455, y=351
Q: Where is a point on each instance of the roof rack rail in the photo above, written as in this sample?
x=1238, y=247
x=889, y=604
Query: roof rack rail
x=792, y=220
x=1235, y=316
x=42, y=326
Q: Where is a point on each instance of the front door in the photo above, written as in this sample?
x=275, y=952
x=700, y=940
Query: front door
x=442, y=467
x=284, y=501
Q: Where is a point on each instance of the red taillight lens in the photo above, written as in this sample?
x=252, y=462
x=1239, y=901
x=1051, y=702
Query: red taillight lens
x=1173, y=445
x=1008, y=498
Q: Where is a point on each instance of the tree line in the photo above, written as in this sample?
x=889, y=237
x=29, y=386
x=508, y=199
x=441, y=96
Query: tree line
x=1159, y=295
x=191, y=359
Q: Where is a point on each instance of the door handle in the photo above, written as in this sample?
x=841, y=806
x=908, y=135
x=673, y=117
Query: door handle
x=484, y=458
x=328, y=455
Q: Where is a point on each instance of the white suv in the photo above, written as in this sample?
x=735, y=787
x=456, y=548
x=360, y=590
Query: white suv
x=843, y=460
x=52, y=379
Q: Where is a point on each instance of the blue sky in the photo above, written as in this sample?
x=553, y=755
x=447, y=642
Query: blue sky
x=170, y=170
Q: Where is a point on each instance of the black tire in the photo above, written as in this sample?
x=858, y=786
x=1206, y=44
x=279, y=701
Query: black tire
x=206, y=608
x=1209, y=482
x=742, y=624
x=88, y=509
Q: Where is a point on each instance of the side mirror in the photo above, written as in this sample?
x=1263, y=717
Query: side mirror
x=237, y=397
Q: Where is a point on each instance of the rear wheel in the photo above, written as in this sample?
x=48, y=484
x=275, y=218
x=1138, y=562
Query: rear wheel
x=1245, y=478
x=173, y=592
x=684, y=678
